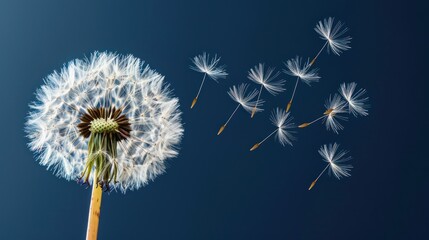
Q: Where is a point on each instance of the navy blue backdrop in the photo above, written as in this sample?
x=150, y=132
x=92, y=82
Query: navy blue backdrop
x=216, y=188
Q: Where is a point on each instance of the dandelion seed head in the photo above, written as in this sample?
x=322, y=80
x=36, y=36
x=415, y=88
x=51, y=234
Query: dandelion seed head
x=205, y=64
x=357, y=103
x=244, y=98
x=336, y=159
x=298, y=68
x=151, y=127
x=283, y=121
x=334, y=35
x=266, y=76
x=335, y=108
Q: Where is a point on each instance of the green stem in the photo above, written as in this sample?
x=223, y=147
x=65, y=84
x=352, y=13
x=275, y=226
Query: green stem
x=102, y=151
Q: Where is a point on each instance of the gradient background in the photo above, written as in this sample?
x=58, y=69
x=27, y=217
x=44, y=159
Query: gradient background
x=216, y=188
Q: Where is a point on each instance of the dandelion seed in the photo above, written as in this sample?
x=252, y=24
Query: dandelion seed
x=265, y=77
x=239, y=94
x=300, y=70
x=284, y=133
x=355, y=99
x=335, y=107
x=209, y=66
x=335, y=160
x=108, y=120
x=332, y=34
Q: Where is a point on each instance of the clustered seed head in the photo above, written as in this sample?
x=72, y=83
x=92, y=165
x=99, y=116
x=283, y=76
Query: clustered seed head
x=105, y=120
x=101, y=125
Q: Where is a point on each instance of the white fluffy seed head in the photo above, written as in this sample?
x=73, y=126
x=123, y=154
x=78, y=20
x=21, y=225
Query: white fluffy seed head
x=240, y=95
x=265, y=76
x=336, y=159
x=333, y=34
x=103, y=80
x=298, y=68
x=283, y=121
x=356, y=100
x=204, y=64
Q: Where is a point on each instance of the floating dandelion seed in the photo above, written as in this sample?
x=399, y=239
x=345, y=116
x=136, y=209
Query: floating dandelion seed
x=209, y=66
x=300, y=70
x=355, y=99
x=239, y=94
x=265, y=77
x=333, y=37
x=335, y=106
x=108, y=120
x=335, y=160
x=283, y=121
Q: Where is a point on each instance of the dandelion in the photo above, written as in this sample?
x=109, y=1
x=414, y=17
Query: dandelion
x=265, y=77
x=209, y=66
x=239, y=94
x=335, y=107
x=335, y=160
x=333, y=35
x=283, y=121
x=108, y=120
x=355, y=99
x=300, y=70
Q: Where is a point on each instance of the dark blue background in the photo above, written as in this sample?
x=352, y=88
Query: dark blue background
x=216, y=188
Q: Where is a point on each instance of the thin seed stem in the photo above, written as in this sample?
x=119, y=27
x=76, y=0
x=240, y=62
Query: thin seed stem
x=229, y=119
x=268, y=136
x=201, y=86
x=315, y=181
x=322, y=172
x=314, y=59
x=257, y=101
x=316, y=120
x=309, y=123
x=297, y=80
x=294, y=90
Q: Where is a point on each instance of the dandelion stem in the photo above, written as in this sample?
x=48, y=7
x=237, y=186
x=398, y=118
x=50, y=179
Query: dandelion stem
x=229, y=119
x=94, y=210
x=257, y=101
x=199, y=91
x=314, y=59
x=293, y=95
x=314, y=182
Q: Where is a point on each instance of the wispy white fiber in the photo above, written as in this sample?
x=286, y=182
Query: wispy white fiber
x=244, y=98
x=336, y=160
x=283, y=121
x=209, y=65
x=333, y=34
x=301, y=69
x=265, y=77
x=356, y=101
